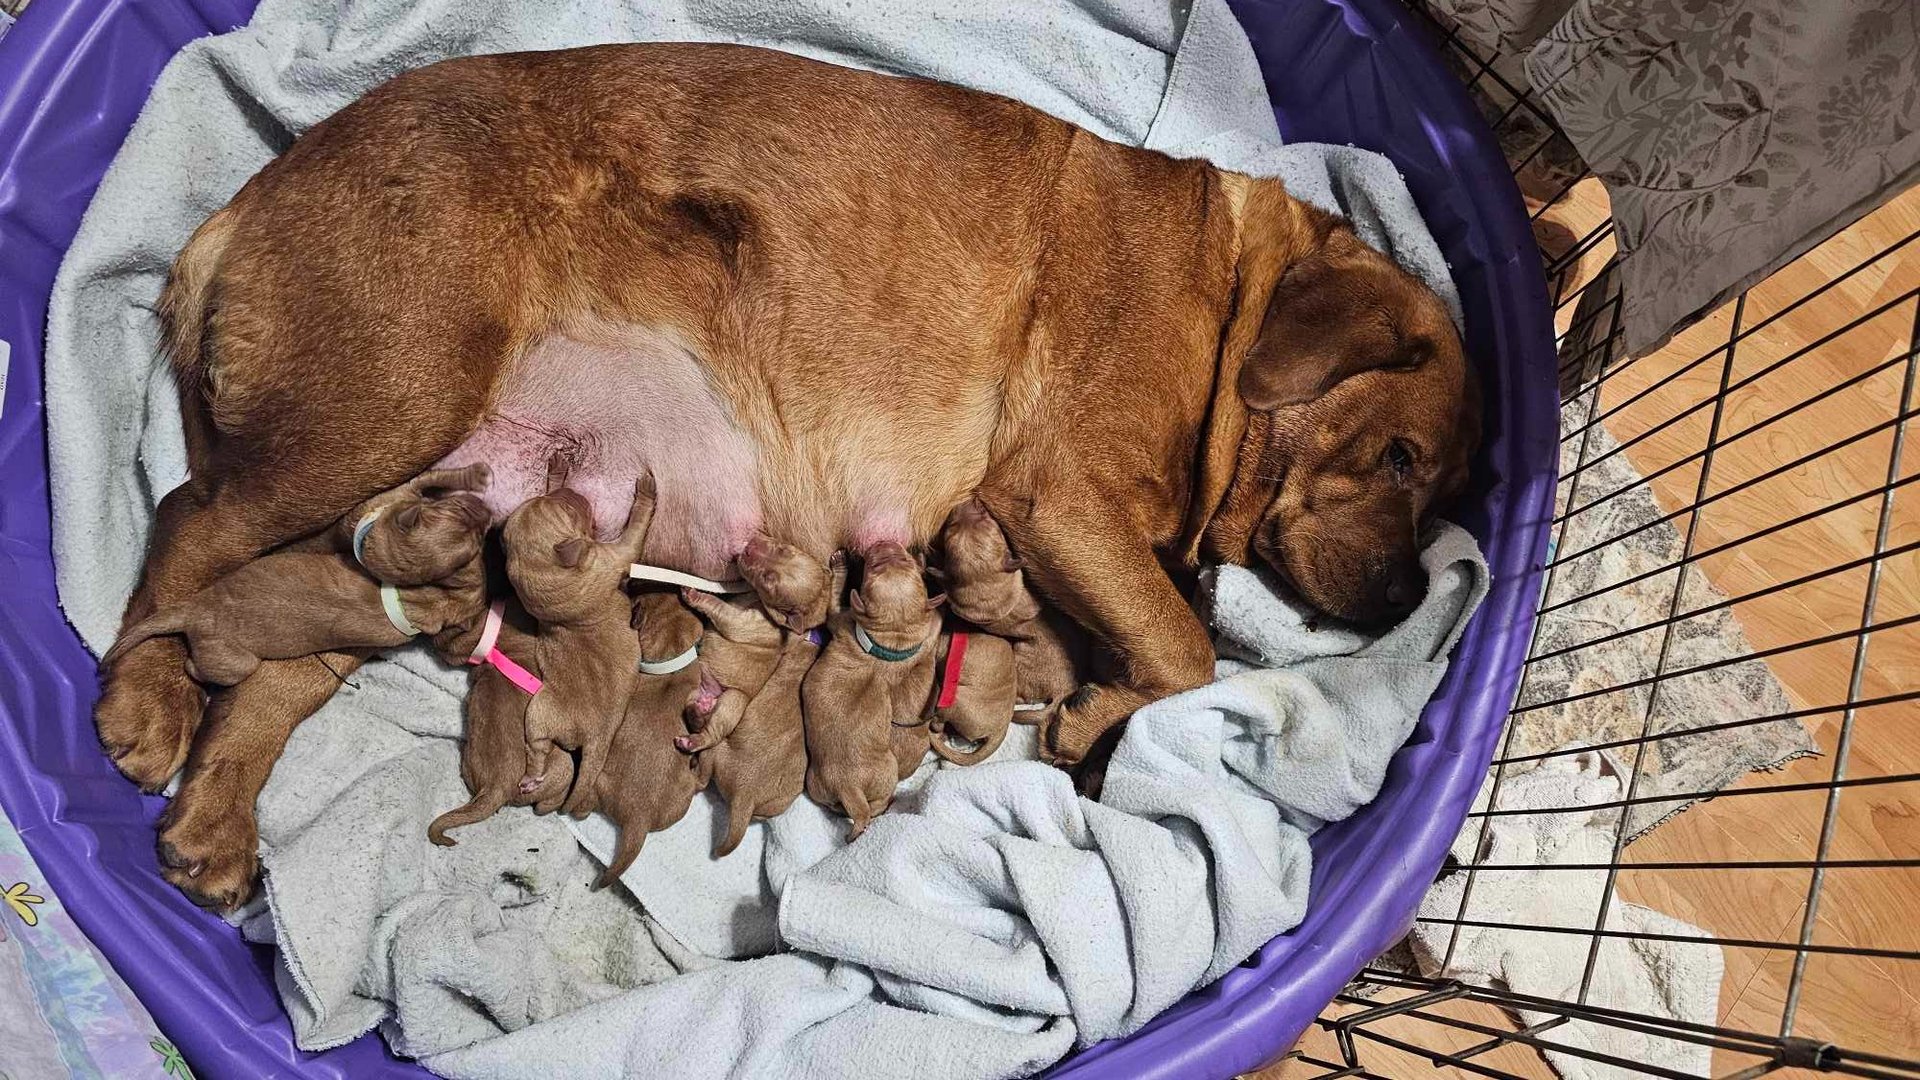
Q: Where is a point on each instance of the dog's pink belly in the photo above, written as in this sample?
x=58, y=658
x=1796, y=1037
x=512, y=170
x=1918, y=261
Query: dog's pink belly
x=641, y=404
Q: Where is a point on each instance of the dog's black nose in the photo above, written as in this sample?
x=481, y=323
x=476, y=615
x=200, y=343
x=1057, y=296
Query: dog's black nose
x=1403, y=589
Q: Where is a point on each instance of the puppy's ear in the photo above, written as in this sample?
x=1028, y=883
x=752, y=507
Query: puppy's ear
x=1012, y=563
x=570, y=553
x=854, y=601
x=936, y=600
x=408, y=516
x=1333, y=315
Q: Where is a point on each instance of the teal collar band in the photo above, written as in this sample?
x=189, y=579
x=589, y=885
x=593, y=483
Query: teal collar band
x=875, y=649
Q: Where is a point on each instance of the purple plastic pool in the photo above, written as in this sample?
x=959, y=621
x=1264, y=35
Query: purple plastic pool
x=73, y=75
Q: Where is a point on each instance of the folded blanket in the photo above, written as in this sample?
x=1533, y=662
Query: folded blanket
x=982, y=934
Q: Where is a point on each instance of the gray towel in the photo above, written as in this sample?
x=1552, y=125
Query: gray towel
x=987, y=924
x=982, y=930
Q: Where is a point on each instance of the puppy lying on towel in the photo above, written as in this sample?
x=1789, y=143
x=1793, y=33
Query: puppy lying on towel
x=493, y=750
x=875, y=672
x=424, y=550
x=587, y=651
x=973, y=696
x=647, y=783
x=762, y=766
x=738, y=659
x=986, y=586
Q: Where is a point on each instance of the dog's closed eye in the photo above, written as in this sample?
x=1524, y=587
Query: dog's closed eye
x=1398, y=458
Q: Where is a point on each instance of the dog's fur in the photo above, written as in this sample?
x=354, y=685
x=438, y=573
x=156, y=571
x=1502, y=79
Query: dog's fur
x=209, y=837
x=853, y=701
x=900, y=292
x=493, y=750
x=297, y=603
x=736, y=660
x=587, y=651
x=762, y=767
x=795, y=588
x=987, y=587
x=982, y=702
x=648, y=784
x=425, y=530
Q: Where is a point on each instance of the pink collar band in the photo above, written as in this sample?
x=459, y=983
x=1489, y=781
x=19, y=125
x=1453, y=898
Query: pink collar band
x=487, y=651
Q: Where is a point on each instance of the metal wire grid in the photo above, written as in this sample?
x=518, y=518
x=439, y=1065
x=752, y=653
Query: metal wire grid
x=1434, y=1019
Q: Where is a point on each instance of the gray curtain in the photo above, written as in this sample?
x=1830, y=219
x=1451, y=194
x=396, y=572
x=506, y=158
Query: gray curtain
x=1732, y=135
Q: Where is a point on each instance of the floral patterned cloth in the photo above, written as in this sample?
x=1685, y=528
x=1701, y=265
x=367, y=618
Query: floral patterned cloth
x=63, y=1011
x=1732, y=135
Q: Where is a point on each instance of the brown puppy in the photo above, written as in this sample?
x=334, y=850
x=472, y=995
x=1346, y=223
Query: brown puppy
x=875, y=673
x=648, y=784
x=795, y=588
x=762, y=767
x=973, y=695
x=420, y=532
x=493, y=750
x=587, y=652
x=987, y=587
x=1129, y=357
x=298, y=603
x=736, y=660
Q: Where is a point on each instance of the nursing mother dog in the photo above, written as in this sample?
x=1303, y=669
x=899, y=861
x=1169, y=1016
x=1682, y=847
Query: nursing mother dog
x=815, y=304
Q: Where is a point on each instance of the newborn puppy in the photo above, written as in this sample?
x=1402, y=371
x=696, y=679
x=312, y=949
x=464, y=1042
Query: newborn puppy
x=493, y=750
x=988, y=589
x=735, y=662
x=793, y=586
x=875, y=672
x=647, y=783
x=762, y=767
x=416, y=533
x=296, y=603
x=973, y=696
x=587, y=652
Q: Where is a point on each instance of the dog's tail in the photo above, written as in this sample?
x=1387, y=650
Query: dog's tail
x=477, y=809
x=979, y=753
x=739, y=816
x=624, y=852
x=156, y=625
x=187, y=306
x=854, y=802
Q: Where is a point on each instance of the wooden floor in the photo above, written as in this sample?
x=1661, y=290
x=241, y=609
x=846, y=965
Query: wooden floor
x=1821, y=380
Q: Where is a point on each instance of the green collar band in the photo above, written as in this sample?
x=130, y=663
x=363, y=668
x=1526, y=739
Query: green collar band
x=875, y=649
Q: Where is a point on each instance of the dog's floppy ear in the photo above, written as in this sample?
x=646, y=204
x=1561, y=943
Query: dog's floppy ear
x=1330, y=317
x=570, y=553
x=408, y=516
x=1270, y=229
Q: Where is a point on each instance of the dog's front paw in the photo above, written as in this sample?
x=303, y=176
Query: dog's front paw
x=1071, y=732
x=148, y=712
x=207, y=849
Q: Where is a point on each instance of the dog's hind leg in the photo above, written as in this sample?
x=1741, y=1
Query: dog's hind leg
x=283, y=469
x=208, y=834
